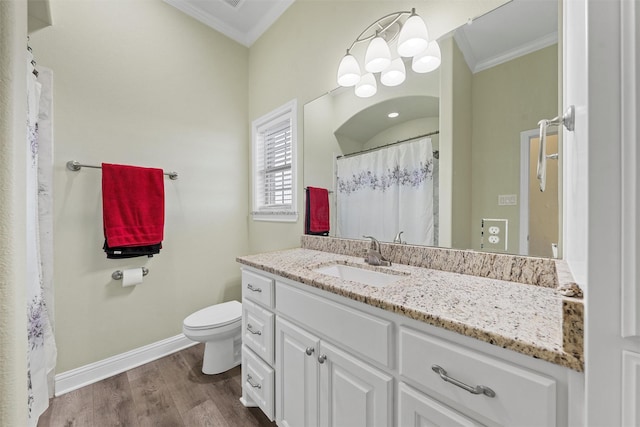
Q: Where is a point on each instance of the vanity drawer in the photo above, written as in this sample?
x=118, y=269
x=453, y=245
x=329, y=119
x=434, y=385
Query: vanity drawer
x=258, y=330
x=417, y=409
x=257, y=288
x=258, y=382
x=351, y=328
x=522, y=397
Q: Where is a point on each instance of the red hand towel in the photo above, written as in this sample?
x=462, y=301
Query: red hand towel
x=318, y=209
x=132, y=205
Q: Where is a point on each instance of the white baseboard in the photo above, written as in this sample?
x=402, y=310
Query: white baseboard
x=94, y=372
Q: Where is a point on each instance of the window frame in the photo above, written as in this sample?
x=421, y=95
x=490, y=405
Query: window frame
x=280, y=213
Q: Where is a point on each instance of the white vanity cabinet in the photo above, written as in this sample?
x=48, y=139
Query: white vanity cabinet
x=352, y=392
x=258, y=323
x=338, y=362
x=484, y=386
x=318, y=383
x=630, y=388
x=297, y=376
x=416, y=409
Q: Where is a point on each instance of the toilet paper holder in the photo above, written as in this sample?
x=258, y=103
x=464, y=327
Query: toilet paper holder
x=117, y=275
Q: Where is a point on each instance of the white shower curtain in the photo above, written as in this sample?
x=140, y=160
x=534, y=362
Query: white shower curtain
x=41, y=354
x=383, y=192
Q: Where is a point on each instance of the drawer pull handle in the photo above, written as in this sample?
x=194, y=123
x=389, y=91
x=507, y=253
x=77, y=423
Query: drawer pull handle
x=250, y=329
x=310, y=351
x=251, y=383
x=322, y=358
x=479, y=389
x=251, y=288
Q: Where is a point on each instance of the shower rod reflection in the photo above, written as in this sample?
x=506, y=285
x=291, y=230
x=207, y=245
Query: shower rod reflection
x=75, y=166
x=390, y=144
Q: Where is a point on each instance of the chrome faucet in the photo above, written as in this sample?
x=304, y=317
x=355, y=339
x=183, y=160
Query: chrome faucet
x=398, y=238
x=374, y=255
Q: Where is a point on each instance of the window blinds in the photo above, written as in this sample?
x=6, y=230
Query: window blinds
x=275, y=186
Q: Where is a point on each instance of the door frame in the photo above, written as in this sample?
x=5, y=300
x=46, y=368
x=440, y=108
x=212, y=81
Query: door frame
x=525, y=141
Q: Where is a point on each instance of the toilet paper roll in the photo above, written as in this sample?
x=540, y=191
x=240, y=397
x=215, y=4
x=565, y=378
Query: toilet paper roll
x=131, y=277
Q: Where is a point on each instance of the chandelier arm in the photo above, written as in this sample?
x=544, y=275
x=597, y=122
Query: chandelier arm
x=397, y=15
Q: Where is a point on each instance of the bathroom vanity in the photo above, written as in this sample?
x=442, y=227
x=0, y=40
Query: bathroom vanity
x=421, y=345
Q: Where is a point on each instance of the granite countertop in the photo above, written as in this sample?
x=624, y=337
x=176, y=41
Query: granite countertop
x=520, y=317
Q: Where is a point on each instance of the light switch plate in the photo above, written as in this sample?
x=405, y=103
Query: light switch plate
x=507, y=200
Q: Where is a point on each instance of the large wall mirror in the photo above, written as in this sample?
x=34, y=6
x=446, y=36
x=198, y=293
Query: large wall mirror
x=478, y=115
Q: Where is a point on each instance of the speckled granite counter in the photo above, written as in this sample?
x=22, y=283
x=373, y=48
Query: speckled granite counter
x=520, y=317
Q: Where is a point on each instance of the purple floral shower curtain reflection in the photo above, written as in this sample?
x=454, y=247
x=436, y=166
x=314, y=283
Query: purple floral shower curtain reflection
x=385, y=191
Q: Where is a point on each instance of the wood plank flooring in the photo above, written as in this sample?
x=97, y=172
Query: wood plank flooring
x=169, y=392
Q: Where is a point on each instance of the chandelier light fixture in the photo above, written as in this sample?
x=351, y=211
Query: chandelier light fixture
x=390, y=43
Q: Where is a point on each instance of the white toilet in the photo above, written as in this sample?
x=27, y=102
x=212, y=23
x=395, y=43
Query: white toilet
x=219, y=327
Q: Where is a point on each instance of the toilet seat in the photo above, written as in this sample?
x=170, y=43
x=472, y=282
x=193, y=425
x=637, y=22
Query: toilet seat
x=215, y=316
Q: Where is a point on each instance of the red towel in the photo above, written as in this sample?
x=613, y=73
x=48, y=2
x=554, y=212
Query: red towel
x=132, y=205
x=318, y=210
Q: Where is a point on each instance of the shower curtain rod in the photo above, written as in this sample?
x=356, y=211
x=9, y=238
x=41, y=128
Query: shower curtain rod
x=390, y=144
x=75, y=166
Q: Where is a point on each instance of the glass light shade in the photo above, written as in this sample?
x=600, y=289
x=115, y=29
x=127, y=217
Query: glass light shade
x=378, y=56
x=429, y=60
x=367, y=86
x=394, y=74
x=413, y=37
x=348, y=71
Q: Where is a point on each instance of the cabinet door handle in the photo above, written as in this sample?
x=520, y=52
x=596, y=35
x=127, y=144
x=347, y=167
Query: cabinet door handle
x=250, y=329
x=251, y=288
x=310, y=351
x=322, y=358
x=479, y=389
x=251, y=383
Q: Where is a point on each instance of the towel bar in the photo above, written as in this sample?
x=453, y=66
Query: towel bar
x=75, y=166
x=568, y=120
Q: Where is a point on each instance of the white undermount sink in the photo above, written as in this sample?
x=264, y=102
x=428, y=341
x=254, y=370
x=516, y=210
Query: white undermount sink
x=360, y=275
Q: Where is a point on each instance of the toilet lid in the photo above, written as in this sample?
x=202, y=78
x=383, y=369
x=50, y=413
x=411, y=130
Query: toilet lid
x=215, y=316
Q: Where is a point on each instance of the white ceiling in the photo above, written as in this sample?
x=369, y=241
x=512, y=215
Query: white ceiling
x=515, y=29
x=241, y=20
x=362, y=128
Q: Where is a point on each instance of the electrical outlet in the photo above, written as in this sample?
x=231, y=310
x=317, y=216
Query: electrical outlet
x=494, y=234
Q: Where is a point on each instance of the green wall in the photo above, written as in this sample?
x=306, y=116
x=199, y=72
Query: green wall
x=506, y=100
x=141, y=83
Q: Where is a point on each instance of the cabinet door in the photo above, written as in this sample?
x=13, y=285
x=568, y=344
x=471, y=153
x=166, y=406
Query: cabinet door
x=630, y=388
x=352, y=393
x=419, y=410
x=296, y=376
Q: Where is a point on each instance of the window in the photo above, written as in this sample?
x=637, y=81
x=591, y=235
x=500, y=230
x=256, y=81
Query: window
x=274, y=157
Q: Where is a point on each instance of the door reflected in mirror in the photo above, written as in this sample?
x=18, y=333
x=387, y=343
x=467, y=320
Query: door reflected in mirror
x=541, y=227
x=499, y=76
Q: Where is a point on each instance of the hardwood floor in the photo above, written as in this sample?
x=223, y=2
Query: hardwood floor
x=168, y=392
